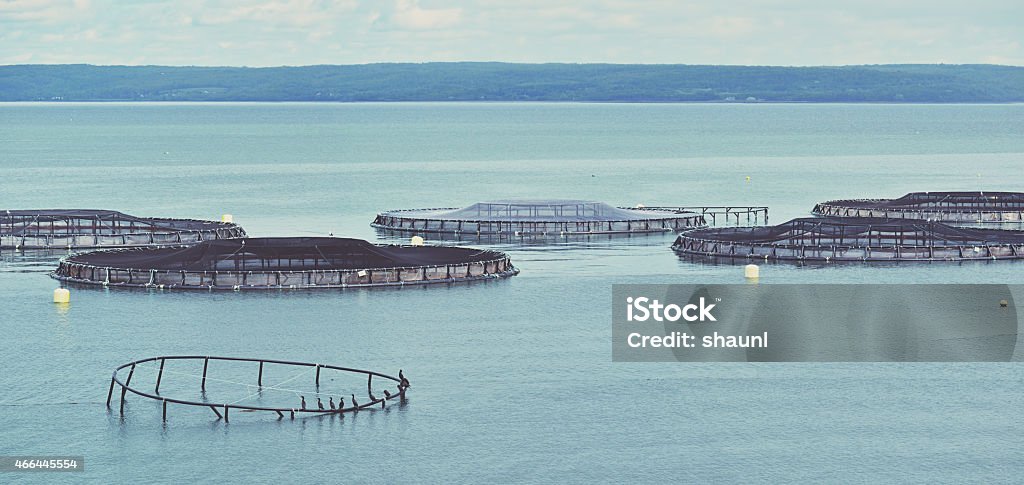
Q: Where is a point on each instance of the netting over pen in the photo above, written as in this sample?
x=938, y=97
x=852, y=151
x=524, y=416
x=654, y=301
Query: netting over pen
x=832, y=239
x=958, y=207
x=289, y=262
x=72, y=229
x=537, y=217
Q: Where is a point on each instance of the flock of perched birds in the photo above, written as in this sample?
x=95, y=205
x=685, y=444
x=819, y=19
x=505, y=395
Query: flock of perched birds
x=403, y=384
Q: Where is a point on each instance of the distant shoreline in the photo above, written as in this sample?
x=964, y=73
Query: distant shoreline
x=328, y=103
x=531, y=83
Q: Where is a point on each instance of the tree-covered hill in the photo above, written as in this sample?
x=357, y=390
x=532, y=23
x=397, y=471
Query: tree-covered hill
x=489, y=81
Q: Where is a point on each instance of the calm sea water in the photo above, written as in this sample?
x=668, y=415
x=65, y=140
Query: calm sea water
x=512, y=380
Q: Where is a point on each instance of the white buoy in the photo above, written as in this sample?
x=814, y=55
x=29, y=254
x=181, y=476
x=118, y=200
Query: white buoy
x=751, y=272
x=61, y=295
x=416, y=241
x=640, y=206
x=227, y=218
x=1004, y=303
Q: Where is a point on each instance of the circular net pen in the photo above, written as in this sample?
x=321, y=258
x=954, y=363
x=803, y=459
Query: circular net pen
x=80, y=229
x=537, y=218
x=952, y=207
x=225, y=384
x=275, y=263
x=831, y=239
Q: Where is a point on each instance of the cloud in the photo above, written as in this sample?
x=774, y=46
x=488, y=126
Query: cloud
x=408, y=14
x=731, y=26
x=45, y=11
x=291, y=13
x=295, y=32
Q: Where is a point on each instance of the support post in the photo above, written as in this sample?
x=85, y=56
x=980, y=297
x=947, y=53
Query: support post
x=318, y=376
x=225, y=413
x=159, y=376
x=206, y=362
x=123, y=391
x=110, y=392
x=165, y=410
x=216, y=412
x=259, y=380
x=369, y=384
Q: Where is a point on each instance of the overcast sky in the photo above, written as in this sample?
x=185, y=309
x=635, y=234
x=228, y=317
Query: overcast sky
x=303, y=32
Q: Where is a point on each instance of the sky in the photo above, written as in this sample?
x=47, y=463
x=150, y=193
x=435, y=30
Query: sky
x=306, y=32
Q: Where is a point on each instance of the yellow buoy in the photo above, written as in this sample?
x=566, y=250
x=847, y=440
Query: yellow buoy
x=751, y=271
x=61, y=295
x=227, y=218
x=416, y=241
x=748, y=178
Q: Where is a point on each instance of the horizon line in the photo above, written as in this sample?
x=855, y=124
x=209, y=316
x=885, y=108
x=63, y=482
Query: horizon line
x=211, y=66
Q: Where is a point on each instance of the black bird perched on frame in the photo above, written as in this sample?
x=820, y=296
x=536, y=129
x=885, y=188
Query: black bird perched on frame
x=330, y=401
x=319, y=404
x=303, y=402
x=341, y=403
x=354, y=403
x=401, y=376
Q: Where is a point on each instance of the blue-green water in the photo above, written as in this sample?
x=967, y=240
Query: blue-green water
x=513, y=379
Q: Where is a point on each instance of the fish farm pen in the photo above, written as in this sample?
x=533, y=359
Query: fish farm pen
x=274, y=263
x=832, y=239
x=253, y=394
x=80, y=229
x=952, y=207
x=537, y=217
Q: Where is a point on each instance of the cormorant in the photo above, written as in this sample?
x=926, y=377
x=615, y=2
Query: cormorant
x=330, y=401
x=319, y=404
x=341, y=403
x=303, y=402
x=354, y=403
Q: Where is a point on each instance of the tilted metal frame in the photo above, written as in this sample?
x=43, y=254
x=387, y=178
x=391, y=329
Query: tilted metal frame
x=222, y=409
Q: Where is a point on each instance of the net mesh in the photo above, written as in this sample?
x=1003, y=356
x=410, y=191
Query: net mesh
x=83, y=228
x=537, y=210
x=831, y=231
x=994, y=201
x=537, y=217
x=275, y=254
x=71, y=221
